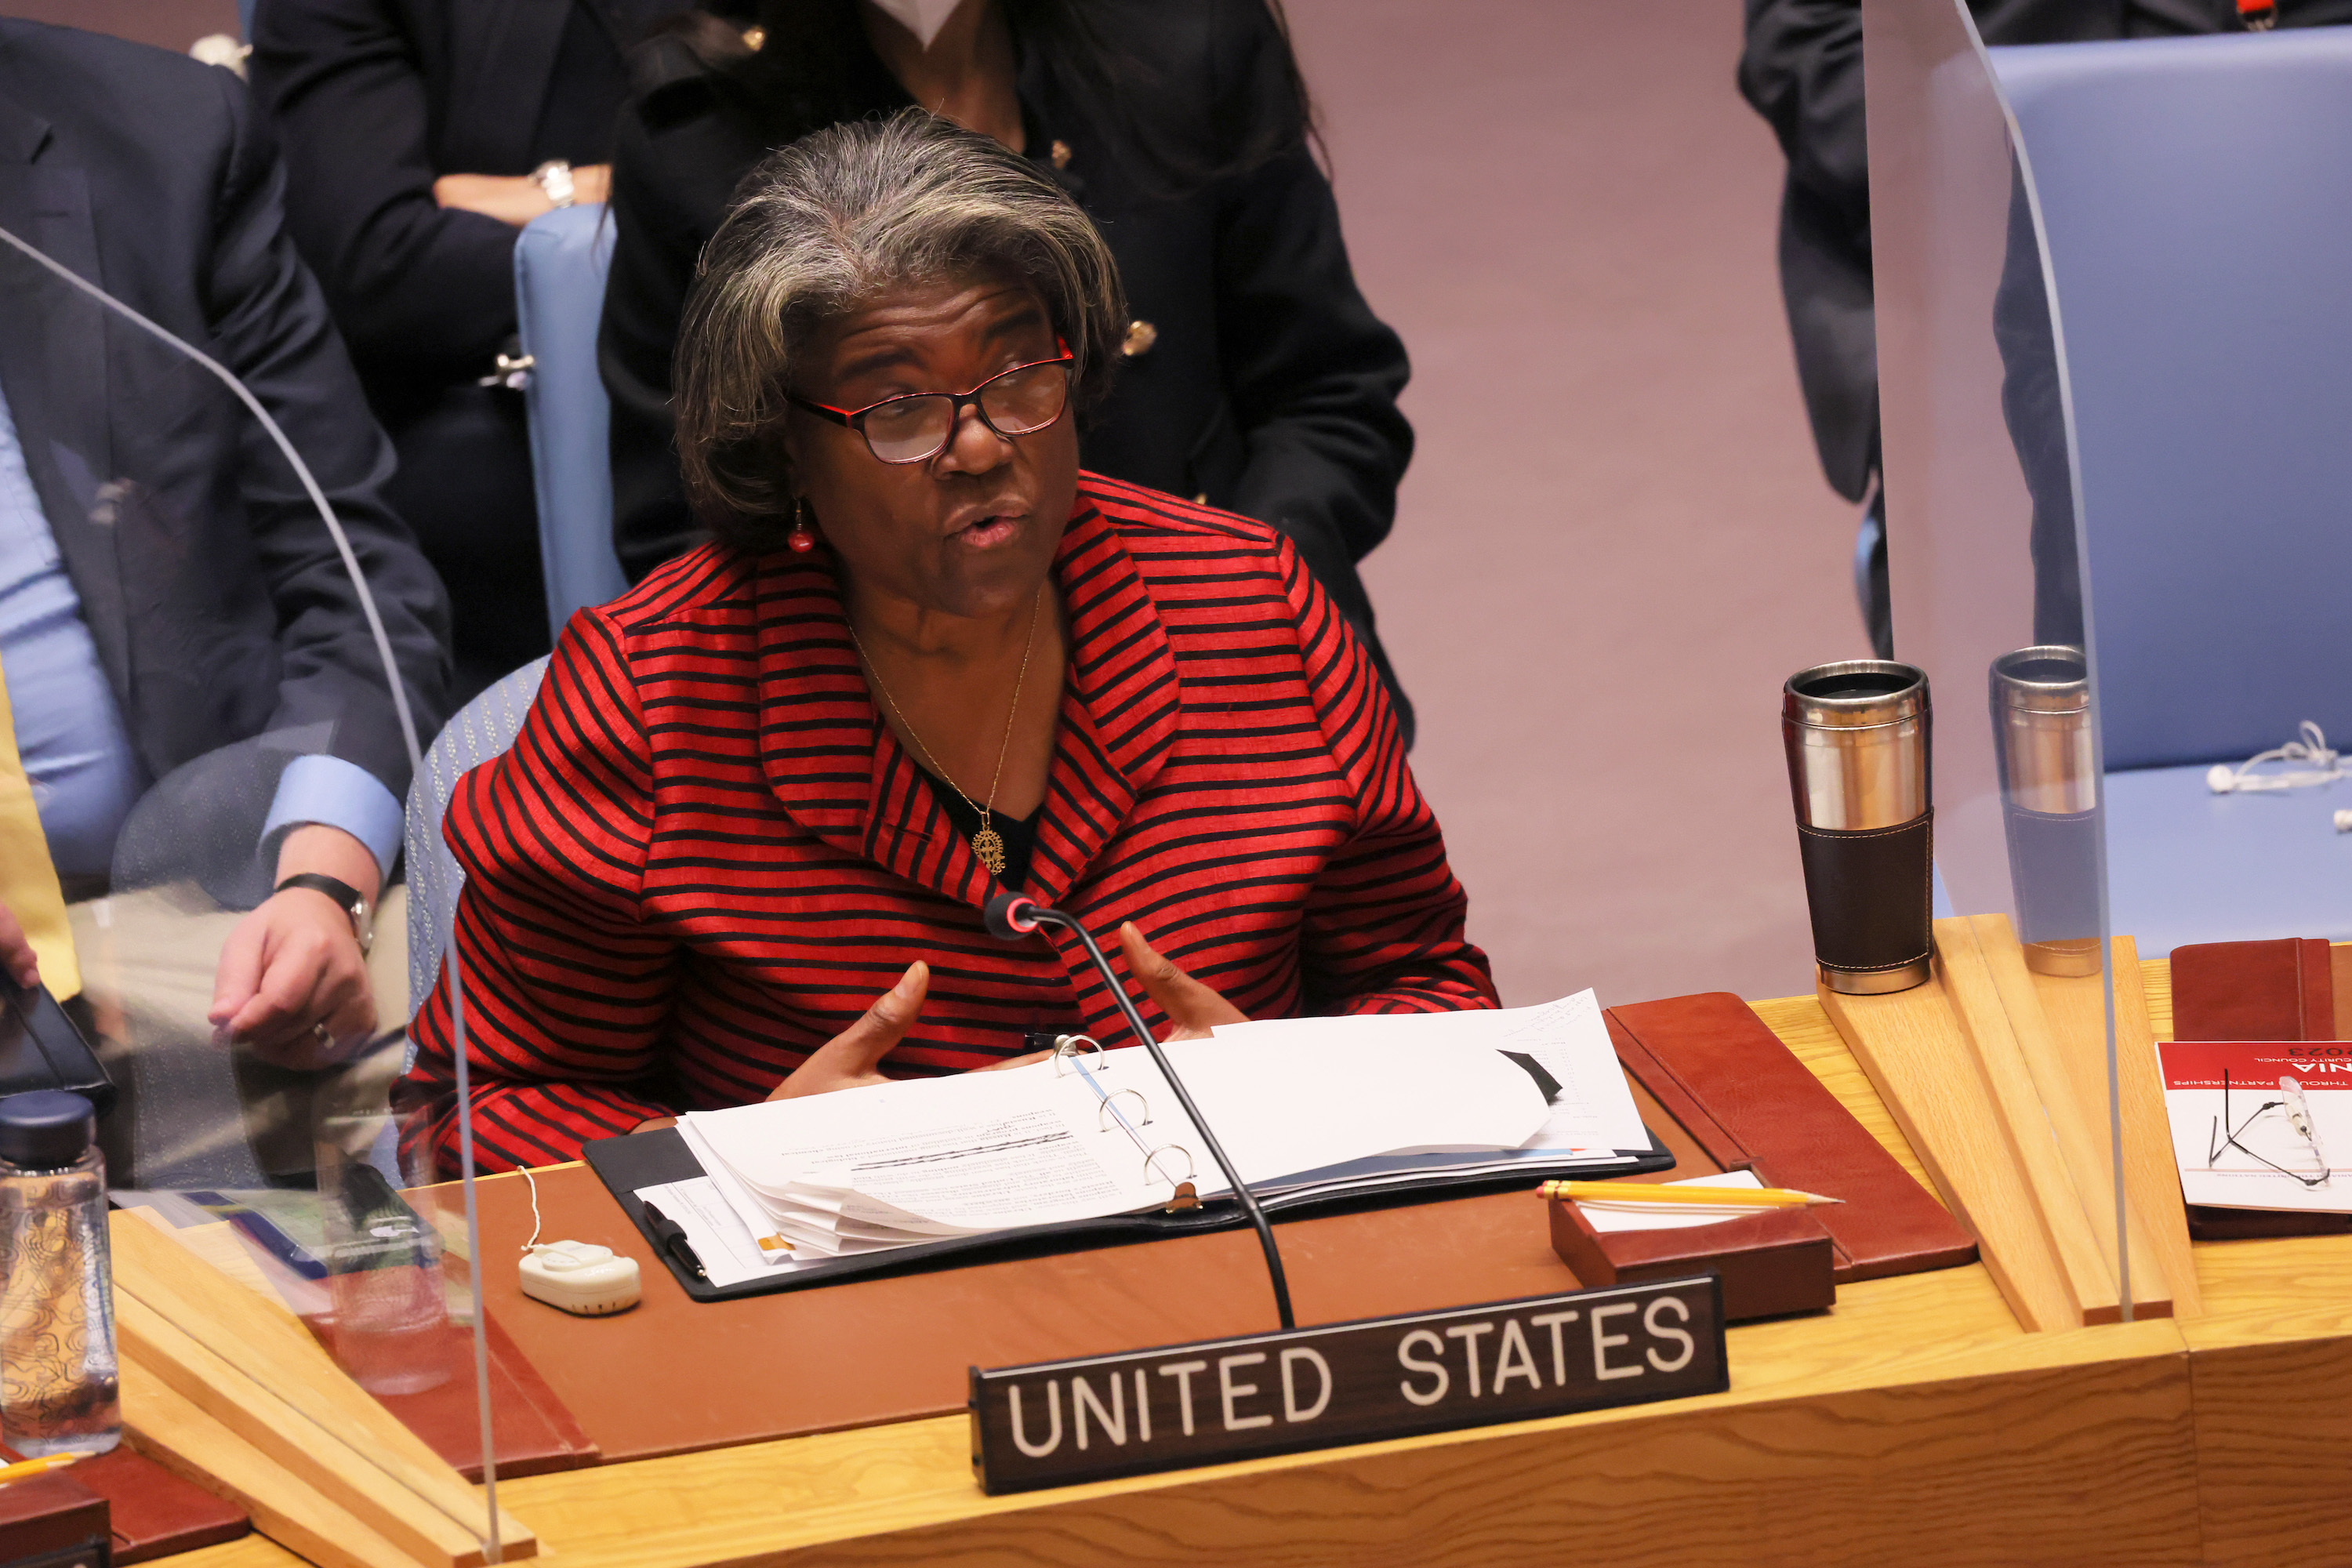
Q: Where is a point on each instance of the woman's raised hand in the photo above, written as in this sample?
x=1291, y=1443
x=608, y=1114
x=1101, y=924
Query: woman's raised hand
x=852, y=1058
x=1192, y=1008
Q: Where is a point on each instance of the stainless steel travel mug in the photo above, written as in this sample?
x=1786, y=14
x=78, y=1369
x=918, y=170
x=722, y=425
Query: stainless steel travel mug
x=2050, y=804
x=1856, y=734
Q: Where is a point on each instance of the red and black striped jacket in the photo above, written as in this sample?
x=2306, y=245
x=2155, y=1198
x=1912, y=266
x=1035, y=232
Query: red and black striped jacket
x=705, y=856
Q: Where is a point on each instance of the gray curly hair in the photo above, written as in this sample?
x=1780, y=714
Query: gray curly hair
x=833, y=221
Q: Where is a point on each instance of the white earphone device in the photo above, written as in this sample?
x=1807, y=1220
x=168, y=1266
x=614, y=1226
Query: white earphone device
x=2326, y=767
x=576, y=1277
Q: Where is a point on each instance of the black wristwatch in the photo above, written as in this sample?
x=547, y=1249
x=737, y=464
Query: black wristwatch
x=348, y=898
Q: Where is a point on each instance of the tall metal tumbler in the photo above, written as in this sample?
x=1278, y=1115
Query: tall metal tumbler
x=2050, y=804
x=1856, y=734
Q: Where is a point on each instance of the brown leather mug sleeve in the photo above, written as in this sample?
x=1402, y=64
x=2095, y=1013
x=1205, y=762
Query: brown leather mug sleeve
x=1868, y=890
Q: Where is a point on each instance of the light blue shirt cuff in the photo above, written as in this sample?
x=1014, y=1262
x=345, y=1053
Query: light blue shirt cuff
x=336, y=794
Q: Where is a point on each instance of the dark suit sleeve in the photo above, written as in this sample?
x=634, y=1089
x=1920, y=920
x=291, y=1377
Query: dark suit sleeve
x=409, y=281
x=1801, y=70
x=269, y=325
x=655, y=240
x=1312, y=373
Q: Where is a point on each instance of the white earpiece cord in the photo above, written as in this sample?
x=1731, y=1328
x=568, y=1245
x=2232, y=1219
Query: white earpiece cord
x=2328, y=766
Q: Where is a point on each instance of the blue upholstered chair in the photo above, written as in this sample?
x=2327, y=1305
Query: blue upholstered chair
x=2196, y=198
x=482, y=729
x=560, y=266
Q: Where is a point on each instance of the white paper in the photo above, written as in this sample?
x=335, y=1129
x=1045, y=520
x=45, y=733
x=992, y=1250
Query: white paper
x=1605, y=1216
x=1595, y=1113
x=2230, y=1171
x=716, y=1234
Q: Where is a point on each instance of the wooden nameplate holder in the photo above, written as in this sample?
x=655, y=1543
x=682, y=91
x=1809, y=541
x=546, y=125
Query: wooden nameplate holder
x=1998, y=1075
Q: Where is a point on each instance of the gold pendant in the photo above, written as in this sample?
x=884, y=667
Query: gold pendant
x=989, y=849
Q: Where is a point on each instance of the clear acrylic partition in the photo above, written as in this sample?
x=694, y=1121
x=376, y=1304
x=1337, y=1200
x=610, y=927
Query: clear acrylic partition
x=279, y=1154
x=1985, y=555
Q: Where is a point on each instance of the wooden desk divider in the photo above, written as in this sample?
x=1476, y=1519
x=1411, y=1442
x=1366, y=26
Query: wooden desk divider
x=2076, y=1012
x=2050, y=1141
x=1999, y=1076
x=229, y=1387
x=1917, y=1056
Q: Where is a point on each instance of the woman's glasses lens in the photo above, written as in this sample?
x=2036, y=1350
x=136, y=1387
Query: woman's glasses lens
x=1027, y=400
x=909, y=429
x=1018, y=403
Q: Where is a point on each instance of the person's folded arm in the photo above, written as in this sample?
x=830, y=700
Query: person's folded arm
x=410, y=280
x=270, y=326
x=1313, y=376
x=1384, y=923
x=566, y=990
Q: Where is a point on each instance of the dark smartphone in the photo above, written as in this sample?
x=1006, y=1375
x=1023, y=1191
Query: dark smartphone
x=40, y=1048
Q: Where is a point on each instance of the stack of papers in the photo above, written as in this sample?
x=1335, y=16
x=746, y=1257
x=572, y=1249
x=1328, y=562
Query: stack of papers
x=1305, y=1108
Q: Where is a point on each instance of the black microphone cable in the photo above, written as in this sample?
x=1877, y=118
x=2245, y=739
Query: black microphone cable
x=1010, y=917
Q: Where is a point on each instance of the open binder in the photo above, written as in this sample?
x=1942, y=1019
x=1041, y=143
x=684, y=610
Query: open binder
x=656, y=1158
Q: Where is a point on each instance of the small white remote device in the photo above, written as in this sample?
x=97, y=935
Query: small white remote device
x=580, y=1277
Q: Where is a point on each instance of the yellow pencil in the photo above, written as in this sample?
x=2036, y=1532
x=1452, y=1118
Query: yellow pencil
x=24, y=1469
x=1651, y=1193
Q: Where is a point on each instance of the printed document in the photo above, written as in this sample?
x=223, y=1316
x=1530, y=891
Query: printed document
x=1304, y=1108
x=2259, y=1125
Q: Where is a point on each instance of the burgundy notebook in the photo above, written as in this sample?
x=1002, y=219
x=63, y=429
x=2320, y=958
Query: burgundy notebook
x=1748, y=1099
x=533, y=1430
x=149, y=1512
x=43, y=1514
x=2281, y=990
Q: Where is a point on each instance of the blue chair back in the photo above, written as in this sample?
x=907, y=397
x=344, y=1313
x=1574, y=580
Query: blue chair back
x=2197, y=196
x=560, y=266
x=482, y=729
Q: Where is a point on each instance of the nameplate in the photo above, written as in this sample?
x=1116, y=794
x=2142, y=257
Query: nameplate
x=1060, y=1422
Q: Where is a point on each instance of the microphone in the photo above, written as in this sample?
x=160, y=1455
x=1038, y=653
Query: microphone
x=1012, y=916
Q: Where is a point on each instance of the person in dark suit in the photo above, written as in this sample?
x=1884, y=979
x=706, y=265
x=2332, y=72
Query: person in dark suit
x=420, y=136
x=1254, y=376
x=1801, y=70
x=167, y=589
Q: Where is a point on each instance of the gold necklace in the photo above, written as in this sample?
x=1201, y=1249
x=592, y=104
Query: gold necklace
x=985, y=844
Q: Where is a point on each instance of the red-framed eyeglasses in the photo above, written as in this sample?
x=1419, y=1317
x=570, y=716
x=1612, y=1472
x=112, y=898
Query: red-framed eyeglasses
x=917, y=427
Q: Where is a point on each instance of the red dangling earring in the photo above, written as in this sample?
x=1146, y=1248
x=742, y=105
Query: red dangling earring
x=802, y=536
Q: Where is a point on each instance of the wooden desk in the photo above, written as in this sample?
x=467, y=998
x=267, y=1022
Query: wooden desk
x=1915, y=1424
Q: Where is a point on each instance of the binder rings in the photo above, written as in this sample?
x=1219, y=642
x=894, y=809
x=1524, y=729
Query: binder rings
x=656, y=1158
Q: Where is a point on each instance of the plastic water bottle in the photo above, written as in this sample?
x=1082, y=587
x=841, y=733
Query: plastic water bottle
x=59, y=1389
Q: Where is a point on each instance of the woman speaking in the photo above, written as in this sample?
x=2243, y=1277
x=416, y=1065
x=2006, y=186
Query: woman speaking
x=740, y=847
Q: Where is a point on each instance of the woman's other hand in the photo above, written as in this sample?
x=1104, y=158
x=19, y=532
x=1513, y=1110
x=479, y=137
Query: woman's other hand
x=1192, y=1008
x=517, y=198
x=852, y=1058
